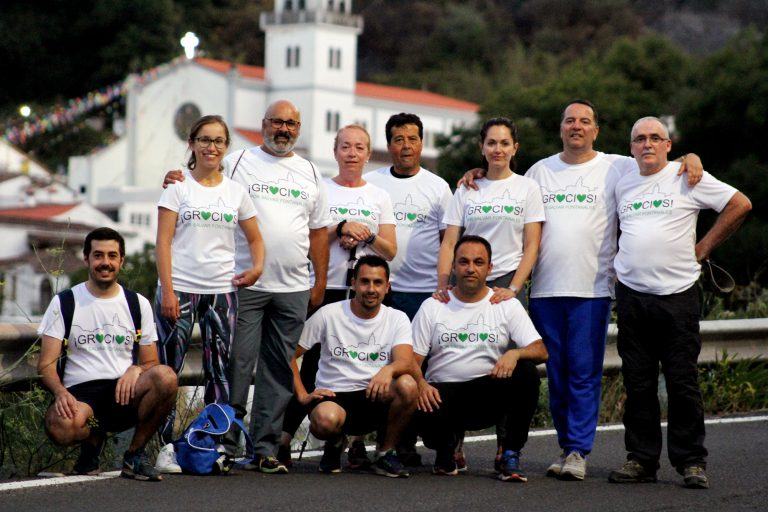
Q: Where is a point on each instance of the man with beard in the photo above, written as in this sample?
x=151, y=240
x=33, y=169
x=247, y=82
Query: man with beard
x=112, y=379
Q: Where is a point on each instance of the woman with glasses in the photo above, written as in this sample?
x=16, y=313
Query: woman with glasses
x=195, y=253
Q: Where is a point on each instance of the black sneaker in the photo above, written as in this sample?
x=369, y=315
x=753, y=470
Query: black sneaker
x=445, y=464
x=694, y=477
x=330, y=462
x=409, y=456
x=271, y=465
x=136, y=466
x=387, y=464
x=88, y=461
x=510, y=467
x=357, y=456
x=632, y=472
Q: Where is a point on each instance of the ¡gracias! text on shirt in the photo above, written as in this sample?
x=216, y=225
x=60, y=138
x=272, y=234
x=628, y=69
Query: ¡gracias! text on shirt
x=273, y=190
x=495, y=208
x=104, y=339
x=207, y=215
x=648, y=204
x=469, y=337
x=360, y=355
x=410, y=217
x=570, y=198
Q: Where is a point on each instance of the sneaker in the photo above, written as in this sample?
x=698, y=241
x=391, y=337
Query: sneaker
x=556, y=467
x=166, y=460
x=271, y=465
x=574, y=467
x=510, y=468
x=409, y=456
x=460, y=460
x=694, y=477
x=357, y=456
x=445, y=464
x=331, y=460
x=387, y=464
x=632, y=472
x=136, y=466
x=88, y=461
x=284, y=455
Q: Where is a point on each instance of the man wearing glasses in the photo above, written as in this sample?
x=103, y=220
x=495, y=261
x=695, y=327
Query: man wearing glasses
x=658, y=304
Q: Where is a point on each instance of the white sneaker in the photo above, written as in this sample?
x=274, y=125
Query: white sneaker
x=575, y=467
x=166, y=460
x=556, y=467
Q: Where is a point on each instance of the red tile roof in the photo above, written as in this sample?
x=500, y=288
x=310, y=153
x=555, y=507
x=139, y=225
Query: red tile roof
x=41, y=212
x=257, y=138
x=223, y=66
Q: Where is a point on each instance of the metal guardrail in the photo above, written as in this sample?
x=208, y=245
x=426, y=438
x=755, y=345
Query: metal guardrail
x=742, y=339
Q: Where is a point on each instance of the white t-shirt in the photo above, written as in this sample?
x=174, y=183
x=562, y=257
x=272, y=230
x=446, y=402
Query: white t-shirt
x=353, y=349
x=465, y=340
x=102, y=335
x=498, y=212
x=367, y=205
x=290, y=199
x=419, y=203
x=203, y=247
x=657, y=215
x=578, y=241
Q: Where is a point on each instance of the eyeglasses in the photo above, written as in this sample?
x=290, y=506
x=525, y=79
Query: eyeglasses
x=219, y=142
x=653, y=139
x=278, y=123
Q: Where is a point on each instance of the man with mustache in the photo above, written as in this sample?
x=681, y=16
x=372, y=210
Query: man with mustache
x=658, y=303
x=112, y=379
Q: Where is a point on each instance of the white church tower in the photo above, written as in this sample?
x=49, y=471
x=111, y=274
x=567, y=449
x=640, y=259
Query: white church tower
x=311, y=59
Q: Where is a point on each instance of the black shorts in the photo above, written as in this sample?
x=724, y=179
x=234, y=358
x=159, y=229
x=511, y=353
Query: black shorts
x=100, y=395
x=363, y=416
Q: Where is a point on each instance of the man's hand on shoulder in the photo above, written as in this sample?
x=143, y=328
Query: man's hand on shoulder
x=172, y=177
x=468, y=180
x=500, y=294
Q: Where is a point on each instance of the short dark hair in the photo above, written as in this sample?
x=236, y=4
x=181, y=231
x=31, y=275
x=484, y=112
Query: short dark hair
x=372, y=261
x=467, y=239
x=212, y=119
x=402, y=119
x=103, y=234
x=579, y=101
x=500, y=121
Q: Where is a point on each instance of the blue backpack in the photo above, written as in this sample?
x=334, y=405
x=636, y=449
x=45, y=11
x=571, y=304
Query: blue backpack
x=200, y=450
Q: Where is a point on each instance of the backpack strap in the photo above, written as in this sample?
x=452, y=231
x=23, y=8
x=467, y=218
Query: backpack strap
x=238, y=161
x=67, y=310
x=132, y=298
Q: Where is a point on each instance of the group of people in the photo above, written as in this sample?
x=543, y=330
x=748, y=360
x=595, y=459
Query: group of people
x=405, y=305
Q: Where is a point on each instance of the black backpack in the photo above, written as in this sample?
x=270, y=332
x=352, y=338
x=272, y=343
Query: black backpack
x=67, y=304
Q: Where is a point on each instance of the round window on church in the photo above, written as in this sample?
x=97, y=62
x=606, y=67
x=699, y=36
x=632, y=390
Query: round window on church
x=185, y=117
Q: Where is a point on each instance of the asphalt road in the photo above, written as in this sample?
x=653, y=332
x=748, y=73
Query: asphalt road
x=738, y=471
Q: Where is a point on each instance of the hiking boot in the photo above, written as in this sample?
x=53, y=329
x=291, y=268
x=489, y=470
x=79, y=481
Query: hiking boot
x=445, y=464
x=409, y=456
x=357, y=456
x=284, y=455
x=166, y=460
x=460, y=460
x=88, y=461
x=136, y=466
x=331, y=460
x=556, y=467
x=271, y=465
x=510, y=468
x=387, y=464
x=694, y=477
x=632, y=472
x=574, y=467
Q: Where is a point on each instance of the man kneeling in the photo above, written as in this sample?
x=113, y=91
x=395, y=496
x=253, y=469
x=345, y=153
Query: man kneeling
x=482, y=365
x=364, y=380
x=102, y=389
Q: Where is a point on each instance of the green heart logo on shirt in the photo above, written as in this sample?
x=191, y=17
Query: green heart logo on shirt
x=411, y=216
x=657, y=203
x=483, y=336
x=295, y=193
x=274, y=190
x=374, y=356
x=100, y=338
x=637, y=206
x=365, y=212
x=353, y=355
x=509, y=209
x=581, y=197
x=463, y=336
x=205, y=215
x=119, y=339
x=486, y=209
x=228, y=217
x=560, y=198
x=343, y=211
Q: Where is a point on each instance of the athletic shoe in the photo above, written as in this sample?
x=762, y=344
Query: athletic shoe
x=632, y=472
x=88, y=461
x=284, y=455
x=271, y=465
x=575, y=467
x=357, y=456
x=331, y=460
x=510, y=468
x=445, y=464
x=556, y=467
x=387, y=464
x=409, y=456
x=460, y=460
x=136, y=466
x=694, y=477
x=166, y=460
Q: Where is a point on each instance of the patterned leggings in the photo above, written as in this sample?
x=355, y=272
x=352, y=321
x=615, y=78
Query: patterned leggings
x=217, y=315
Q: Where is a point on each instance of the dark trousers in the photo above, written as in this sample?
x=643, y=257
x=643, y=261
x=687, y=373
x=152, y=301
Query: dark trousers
x=653, y=330
x=481, y=403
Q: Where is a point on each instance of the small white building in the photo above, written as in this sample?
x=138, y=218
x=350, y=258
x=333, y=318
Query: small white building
x=311, y=60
